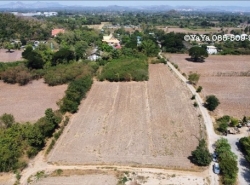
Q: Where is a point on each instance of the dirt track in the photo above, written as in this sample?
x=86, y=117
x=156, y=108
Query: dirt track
x=147, y=123
x=29, y=102
x=224, y=76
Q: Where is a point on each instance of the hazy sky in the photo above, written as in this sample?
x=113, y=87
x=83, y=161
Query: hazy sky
x=145, y=3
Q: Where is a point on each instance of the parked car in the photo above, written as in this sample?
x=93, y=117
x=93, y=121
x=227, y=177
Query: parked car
x=215, y=157
x=239, y=125
x=216, y=168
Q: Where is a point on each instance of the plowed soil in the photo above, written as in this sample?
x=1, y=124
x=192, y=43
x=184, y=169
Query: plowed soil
x=227, y=77
x=138, y=123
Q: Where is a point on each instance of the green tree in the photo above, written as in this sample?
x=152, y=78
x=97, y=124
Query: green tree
x=199, y=89
x=227, y=161
x=198, y=53
x=7, y=120
x=229, y=169
x=35, y=60
x=27, y=52
x=149, y=48
x=201, y=155
x=245, y=145
x=193, y=78
x=223, y=127
x=64, y=55
x=8, y=46
x=212, y=102
x=234, y=122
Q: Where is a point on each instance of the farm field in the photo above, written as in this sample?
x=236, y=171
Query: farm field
x=29, y=102
x=133, y=123
x=169, y=29
x=10, y=57
x=227, y=77
x=78, y=180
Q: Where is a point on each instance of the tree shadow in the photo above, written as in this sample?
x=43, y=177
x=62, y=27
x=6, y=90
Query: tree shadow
x=192, y=60
x=11, y=51
x=191, y=159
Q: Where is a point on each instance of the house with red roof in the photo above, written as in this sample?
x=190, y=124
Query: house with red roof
x=55, y=32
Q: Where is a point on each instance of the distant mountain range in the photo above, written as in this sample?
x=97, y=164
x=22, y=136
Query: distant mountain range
x=57, y=6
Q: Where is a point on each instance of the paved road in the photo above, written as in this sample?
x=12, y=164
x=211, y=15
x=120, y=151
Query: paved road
x=244, y=171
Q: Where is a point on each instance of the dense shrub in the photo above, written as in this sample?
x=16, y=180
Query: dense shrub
x=199, y=89
x=223, y=123
x=245, y=146
x=157, y=61
x=125, y=69
x=212, y=102
x=77, y=90
x=201, y=155
x=64, y=55
x=63, y=73
x=19, y=74
x=227, y=161
x=193, y=78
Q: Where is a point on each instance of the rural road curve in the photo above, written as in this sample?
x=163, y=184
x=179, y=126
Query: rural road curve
x=244, y=171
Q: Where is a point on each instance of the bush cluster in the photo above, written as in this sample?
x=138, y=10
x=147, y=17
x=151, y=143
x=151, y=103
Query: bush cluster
x=63, y=73
x=18, y=74
x=157, y=61
x=227, y=160
x=19, y=139
x=245, y=146
x=125, y=69
x=226, y=121
x=201, y=155
x=76, y=91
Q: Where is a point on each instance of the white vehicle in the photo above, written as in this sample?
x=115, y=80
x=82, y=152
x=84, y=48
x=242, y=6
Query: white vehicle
x=216, y=168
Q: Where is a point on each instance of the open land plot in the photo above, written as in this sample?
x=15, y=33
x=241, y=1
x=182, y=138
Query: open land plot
x=169, y=29
x=78, y=180
x=227, y=77
x=133, y=123
x=109, y=177
x=29, y=102
x=97, y=26
x=14, y=55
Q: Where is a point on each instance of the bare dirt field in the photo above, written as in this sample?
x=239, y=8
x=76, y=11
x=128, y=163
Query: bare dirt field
x=78, y=180
x=227, y=77
x=29, y=102
x=97, y=26
x=169, y=29
x=14, y=55
x=136, y=123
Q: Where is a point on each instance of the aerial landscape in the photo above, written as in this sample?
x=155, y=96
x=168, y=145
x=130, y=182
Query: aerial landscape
x=122, y=93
